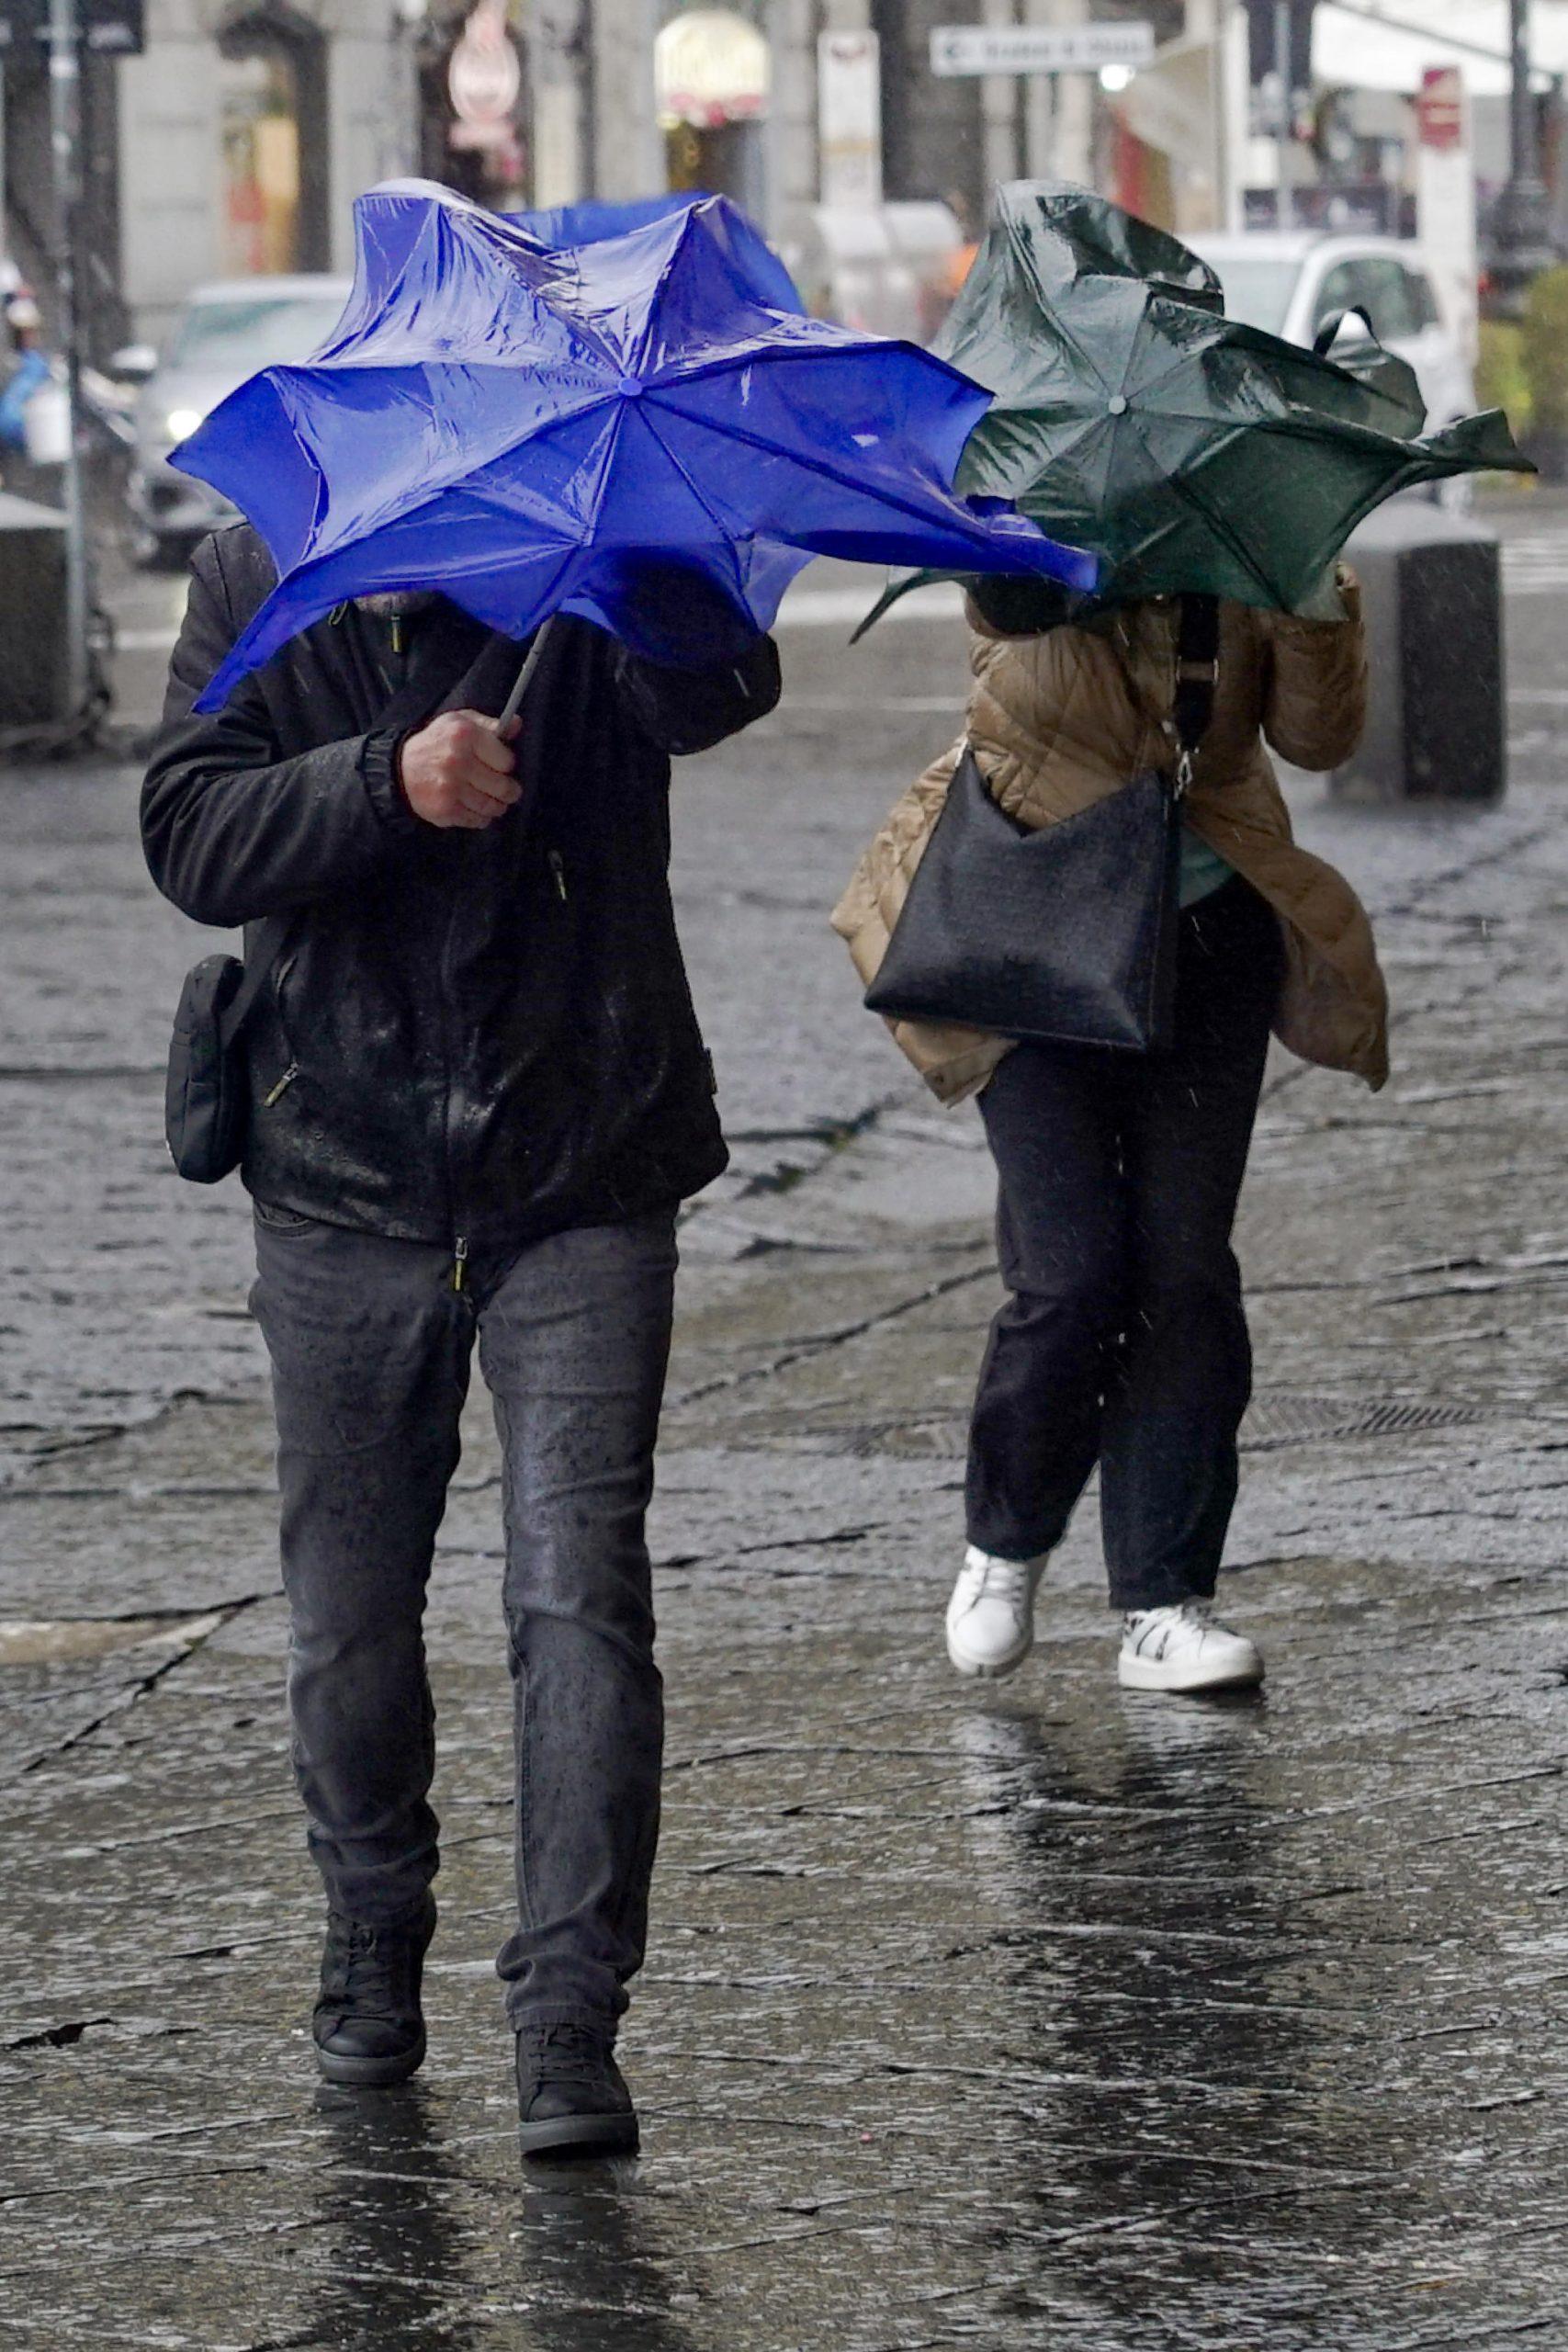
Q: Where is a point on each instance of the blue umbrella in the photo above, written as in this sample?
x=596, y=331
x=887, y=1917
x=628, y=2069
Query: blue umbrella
x=592, y=222
x=531, y=430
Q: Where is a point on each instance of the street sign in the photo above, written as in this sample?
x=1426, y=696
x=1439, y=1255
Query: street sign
x=849, y=117
x=1440, y=109
x=1038, y=48
x=110, y=27
x=484, y=77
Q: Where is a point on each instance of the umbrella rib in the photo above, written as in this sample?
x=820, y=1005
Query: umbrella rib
x=436, y=481
x=431, y=492
x=1080, y=428
x=1212, y=520
x=725, y=530
x=841, y=479
x=636, y=357
x=1019, y=247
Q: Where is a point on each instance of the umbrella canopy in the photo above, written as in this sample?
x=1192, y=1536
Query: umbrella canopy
x=530, y=430
x=1189, y=451
x=592, y=222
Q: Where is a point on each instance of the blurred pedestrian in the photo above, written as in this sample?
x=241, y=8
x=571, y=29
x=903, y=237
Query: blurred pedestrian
x=1123, y=1342
x=477, y=1094
x=24, y=371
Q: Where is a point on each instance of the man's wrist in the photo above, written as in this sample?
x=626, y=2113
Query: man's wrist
x=380, y=768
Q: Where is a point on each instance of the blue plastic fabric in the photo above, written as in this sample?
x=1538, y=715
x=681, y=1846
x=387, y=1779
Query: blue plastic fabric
x=31, y=371
x=532, y=430
x=590, y=224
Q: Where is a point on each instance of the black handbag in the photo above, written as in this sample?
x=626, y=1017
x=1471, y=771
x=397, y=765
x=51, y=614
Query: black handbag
x=207, y=1088
x=1065, y=932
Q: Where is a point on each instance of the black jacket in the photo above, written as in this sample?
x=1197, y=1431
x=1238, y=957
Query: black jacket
x=470, y=1038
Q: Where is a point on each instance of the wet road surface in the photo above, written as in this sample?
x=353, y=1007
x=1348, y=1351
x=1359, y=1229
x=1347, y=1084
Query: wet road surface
x=1040, y=2015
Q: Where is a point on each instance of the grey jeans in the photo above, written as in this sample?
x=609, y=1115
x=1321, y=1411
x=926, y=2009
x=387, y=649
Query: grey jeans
x=370, y=1347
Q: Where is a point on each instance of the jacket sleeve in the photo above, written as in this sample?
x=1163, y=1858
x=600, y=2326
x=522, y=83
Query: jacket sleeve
x=690, y=710
x=1316, y=699
x=231, y=831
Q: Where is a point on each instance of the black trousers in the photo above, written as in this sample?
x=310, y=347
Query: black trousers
x=371, y=1348
x=1123, y=1342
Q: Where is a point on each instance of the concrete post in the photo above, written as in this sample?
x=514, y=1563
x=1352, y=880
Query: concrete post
x=629, y=142
x=792, y=182
x=1000, y=98
x=558, y=47
x=34, y=682
x=1436, y=722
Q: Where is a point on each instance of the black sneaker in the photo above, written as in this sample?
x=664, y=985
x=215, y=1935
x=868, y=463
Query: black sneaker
x=368, y=2028
x=571, y=2099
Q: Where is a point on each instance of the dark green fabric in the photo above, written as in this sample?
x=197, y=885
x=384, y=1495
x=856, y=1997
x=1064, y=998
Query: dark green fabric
x=1186, y=451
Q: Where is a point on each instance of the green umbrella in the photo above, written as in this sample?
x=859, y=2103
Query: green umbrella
x=1188, y=451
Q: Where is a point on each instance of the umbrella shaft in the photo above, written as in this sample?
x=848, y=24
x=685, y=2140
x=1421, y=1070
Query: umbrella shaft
x=515, y=699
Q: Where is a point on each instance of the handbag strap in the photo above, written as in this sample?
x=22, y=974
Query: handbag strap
x=423, y=689
x=258, y=969
x=1197, y=679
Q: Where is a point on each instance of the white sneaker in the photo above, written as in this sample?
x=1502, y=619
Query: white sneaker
x=990, y=1618
x=1184, y=1647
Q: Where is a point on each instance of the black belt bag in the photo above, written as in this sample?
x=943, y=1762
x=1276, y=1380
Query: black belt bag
x=1065, y=932
x=207, y=1090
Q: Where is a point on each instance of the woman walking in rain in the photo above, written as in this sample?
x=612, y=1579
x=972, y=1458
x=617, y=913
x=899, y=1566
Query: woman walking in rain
x=1123, y=1342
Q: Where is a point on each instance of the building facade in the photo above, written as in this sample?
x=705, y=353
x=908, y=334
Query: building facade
x=236, y=142
x=245, y=130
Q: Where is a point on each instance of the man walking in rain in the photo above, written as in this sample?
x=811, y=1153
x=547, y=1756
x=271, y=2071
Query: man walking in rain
x=477, y=1094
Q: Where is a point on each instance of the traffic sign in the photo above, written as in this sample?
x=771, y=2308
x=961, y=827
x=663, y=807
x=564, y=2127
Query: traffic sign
x=1038, y=48
x=1439, y=108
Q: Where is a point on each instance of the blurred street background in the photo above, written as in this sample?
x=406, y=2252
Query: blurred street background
x=1038, y=2015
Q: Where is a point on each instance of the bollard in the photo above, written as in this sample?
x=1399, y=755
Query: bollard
x=33, y=675
x=1436, y=716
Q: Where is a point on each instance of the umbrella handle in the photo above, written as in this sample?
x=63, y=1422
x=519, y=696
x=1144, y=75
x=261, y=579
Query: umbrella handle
x=515, y=699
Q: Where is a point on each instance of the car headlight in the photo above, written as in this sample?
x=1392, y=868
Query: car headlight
x=182, y=423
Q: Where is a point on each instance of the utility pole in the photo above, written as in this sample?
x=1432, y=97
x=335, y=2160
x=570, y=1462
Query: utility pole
x=1284, y=124
x=1219, y=106
x=65, y=139
x=1523, y=248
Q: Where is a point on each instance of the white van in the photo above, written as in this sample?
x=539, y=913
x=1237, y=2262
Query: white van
x=1289, y=284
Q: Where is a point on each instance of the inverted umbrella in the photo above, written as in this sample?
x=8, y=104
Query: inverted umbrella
x=1189, y=451
x=590, y=223
x=529, y=429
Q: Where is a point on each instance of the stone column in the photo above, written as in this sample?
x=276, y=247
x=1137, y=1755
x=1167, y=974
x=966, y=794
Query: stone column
x=629, y=144
x=792, y=26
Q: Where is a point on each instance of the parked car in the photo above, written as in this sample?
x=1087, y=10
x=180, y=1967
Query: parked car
x=1291, y=284
x=223, y=334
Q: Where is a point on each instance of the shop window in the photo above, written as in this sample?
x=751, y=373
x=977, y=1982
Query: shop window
x=272, y=114
x=712, y=70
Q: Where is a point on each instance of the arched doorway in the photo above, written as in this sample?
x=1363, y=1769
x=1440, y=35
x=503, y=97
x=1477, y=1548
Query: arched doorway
x=272, y=86
x=712, y=74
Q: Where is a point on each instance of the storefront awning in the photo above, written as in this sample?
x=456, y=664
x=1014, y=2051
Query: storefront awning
x=1388, y=44
x=710, y=67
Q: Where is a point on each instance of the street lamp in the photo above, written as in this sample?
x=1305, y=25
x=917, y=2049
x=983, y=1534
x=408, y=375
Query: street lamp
x=1521, y=242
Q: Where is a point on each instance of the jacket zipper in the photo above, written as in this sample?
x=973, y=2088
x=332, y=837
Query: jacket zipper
x=291, y=1068
x=459, y=1246
x=558, y=871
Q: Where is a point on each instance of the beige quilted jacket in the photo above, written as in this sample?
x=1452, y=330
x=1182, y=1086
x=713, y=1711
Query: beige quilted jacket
x=1059, y=720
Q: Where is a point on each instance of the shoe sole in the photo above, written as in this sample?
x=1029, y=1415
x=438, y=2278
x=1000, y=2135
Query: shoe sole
x=1140, y=1674
x=989, y=1670
x=371, y=2073
x=574, y=2135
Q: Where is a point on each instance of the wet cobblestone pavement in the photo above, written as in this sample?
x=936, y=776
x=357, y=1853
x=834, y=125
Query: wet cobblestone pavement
x=1046, y=2015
